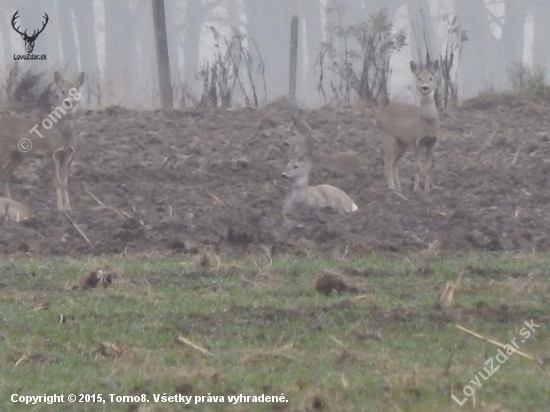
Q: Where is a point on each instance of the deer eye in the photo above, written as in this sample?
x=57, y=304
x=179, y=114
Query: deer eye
x=295, y=167
x=419, y=79
x=431, y=78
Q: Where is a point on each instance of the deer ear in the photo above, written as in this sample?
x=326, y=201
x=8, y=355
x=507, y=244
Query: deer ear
x=57, y=78
x=414, y=67
x=80, y=79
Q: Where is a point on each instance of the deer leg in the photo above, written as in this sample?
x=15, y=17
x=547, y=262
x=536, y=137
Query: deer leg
x=67, y=160
x=417, y=166
x=401, y=148
x=57, y=180
x=389, y=157
x=5, y=177
x=428, y=162
x=12, y=164
x=65, y=190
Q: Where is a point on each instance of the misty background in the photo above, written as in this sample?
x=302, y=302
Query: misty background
x=113, y=42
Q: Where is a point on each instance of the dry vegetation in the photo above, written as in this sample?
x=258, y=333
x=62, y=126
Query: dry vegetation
x=23, y=91
x=228, y=80
x=327, y=334
x=354, y=60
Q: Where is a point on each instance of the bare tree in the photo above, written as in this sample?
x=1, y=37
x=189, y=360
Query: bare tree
x=310, y=13
x=68, y=38
x=194, y=17
x=233, y=18
x=5, y=31
x=512, y=38
x=423, y=40
x=268, y=25
x=541, y=50
x=85, y=18
x=163, y=60
x=173, y=37
x=119, y=45
x=52, y=45
x=87, y=46
x=481, y=65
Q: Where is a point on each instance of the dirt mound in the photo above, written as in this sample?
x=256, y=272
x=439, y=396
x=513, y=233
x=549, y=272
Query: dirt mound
x=178, y=181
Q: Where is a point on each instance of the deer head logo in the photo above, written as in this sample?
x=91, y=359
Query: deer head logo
x=29, y=40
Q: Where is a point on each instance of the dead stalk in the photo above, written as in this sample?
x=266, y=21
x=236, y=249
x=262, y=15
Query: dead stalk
x=120, y=213
x=76, y=227
x=498, y=344
x=182, y=340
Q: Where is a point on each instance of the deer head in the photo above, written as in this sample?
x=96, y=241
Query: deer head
x=426, y=78
x=29, y=40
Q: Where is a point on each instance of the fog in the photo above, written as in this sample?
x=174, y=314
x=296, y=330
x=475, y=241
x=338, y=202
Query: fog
x=113, y=42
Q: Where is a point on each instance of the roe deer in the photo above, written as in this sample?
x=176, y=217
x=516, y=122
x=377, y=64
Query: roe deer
x=50, y=136
x=343, y=162
x=315, y=197
x=404, y=125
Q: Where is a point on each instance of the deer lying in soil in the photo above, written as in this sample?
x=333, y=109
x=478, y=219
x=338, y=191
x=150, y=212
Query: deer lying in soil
x=315, y=197
x=404, y=126
x=13, y=210
x=20, y=137
x=343, y=162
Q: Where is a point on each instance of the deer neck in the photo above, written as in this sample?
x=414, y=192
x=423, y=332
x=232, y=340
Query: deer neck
x=300, y=189
x=65, y=125
x=428, y=109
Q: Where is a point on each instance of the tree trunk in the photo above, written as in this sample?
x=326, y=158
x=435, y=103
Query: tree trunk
x=541, y=48
x=194, y=15
x=145, y=85
x=233, y=14
x=68, y=36
x=6, y=32
x=275, y=17
x=52, y=45
x=422, y=38
x=263, y=19
x=119, y=44
x=163, y=60
x=173, y=39
x=512, y=38
x=84, y=14
x=311, y=18
x=294, y=27
x=481, y=65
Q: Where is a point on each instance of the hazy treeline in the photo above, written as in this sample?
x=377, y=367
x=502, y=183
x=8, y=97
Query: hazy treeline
x=113, y=42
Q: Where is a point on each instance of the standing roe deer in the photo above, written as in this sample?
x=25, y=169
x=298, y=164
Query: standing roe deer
x=315, y=197
x=20, y=137
x=404, y=125
x=343, y=162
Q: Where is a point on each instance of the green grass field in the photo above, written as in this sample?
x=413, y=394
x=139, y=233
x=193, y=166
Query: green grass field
x=261, y=327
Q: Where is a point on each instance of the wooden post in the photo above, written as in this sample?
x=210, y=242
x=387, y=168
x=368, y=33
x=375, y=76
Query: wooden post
x=163, y=59
x=293, y=56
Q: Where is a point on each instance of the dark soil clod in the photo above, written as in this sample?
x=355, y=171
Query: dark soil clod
x=328, y=282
